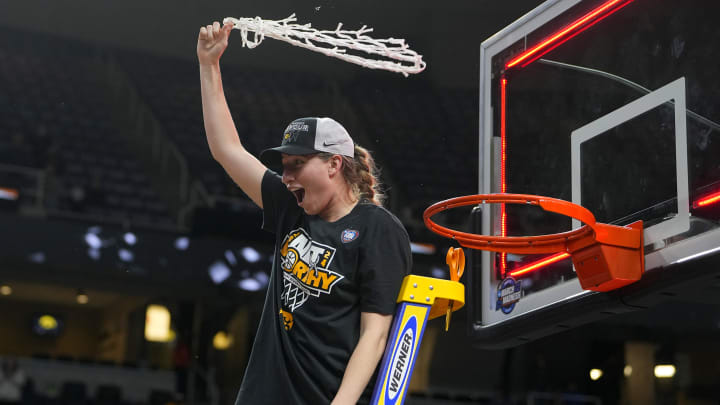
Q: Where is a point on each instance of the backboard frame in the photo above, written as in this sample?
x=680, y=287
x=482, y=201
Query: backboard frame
x=567, y=304
x=672, y=91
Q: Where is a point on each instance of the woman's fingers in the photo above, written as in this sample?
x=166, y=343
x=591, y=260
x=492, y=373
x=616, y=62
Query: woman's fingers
x=212, y=41
x=226, y=28
x=216, y=30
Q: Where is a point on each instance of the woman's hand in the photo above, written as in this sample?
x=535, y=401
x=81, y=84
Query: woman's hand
x=212, y=42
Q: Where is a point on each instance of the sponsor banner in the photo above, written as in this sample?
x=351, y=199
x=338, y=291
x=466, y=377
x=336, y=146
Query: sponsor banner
x=400, y=354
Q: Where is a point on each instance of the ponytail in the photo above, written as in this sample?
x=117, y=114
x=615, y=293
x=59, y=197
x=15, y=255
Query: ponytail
x=361, y=175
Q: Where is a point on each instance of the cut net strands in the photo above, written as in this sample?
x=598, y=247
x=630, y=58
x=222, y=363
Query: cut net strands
x=333, y=43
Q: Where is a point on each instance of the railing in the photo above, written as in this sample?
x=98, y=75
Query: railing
x=197, y=197
x=161, y=155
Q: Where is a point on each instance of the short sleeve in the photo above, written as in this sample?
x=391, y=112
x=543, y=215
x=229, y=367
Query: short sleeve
x=276, y=200
x=385, y=260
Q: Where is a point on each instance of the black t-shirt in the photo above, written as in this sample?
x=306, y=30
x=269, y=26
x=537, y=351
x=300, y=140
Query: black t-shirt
x=324, y=274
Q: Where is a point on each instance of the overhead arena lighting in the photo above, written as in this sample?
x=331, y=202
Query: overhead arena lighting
x=257, y=282
x=250, y=284
x=93, y=240
x=37, y=257
x=219, y=272
x=230, y=257
x=130, y=238
x=250, y=254
x=94, y=253
x=262, y=278
x=182, y=243
x=126, y=255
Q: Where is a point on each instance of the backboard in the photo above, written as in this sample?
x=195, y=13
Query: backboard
x=613, y=105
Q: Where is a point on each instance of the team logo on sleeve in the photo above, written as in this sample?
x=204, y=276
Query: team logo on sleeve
x=305, y=264
x=349, y=235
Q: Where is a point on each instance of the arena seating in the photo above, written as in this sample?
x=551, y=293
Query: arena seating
x=262, y=104
x=56, y=114
x=410, y=125
x=405, y=125
x=65, y=381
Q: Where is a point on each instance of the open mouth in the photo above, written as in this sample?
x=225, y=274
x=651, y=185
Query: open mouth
x=299, y=195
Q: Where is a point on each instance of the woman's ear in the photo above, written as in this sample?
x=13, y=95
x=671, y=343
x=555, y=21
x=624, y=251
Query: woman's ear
x=335, y=165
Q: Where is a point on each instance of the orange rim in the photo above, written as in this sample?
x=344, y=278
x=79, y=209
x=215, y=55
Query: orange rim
x=515, y=244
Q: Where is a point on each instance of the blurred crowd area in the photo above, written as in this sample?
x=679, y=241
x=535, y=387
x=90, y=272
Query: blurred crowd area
x=71, y=115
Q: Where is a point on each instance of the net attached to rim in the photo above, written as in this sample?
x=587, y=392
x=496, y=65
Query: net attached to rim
x=398, y=57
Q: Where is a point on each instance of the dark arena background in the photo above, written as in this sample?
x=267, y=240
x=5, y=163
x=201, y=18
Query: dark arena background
x=133, y=270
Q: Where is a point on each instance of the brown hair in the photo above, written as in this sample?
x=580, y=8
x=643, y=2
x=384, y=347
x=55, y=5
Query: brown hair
x=361, y=175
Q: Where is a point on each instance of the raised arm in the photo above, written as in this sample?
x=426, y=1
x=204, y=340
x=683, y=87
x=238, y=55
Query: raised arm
x=223, y=139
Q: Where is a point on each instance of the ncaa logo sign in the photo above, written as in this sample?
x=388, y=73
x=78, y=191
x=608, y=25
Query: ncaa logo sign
x=399, y=367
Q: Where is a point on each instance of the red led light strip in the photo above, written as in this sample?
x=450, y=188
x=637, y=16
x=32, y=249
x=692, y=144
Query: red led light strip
x=711, y=199
x=503, y=157
x=528, y=57
x=503, y=144
x=539, y=264
x=540, y=55
x=545, y=46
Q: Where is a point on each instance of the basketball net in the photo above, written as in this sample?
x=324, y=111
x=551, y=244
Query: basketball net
x=336, y=43
x=293, y=295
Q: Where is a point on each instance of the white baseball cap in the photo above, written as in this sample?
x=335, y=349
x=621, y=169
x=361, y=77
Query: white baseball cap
x=306, y=136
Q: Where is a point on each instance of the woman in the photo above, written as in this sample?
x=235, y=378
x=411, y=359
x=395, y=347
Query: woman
x=340, y=257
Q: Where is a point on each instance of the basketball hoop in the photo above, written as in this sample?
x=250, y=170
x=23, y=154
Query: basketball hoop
x=605, y=256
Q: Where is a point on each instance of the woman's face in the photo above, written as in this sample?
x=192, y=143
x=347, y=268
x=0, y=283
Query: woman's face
x=308, y=178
